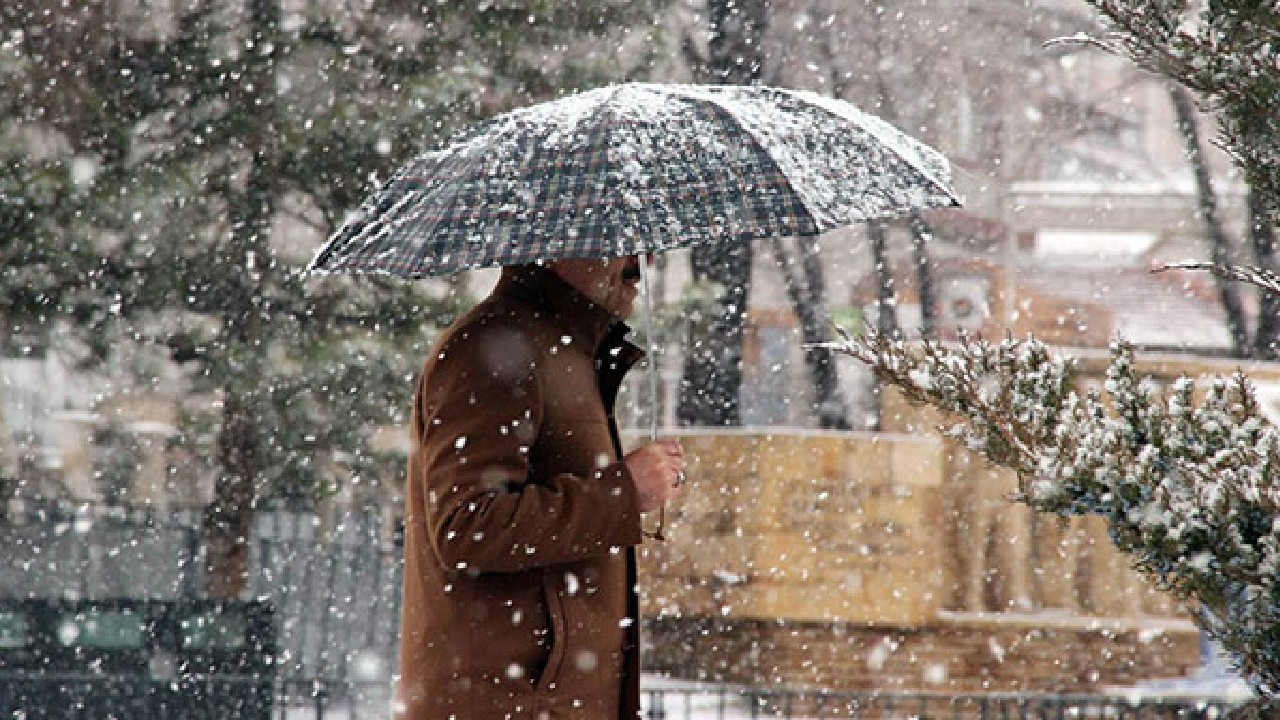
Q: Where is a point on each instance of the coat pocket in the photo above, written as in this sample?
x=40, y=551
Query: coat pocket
x=509, y=636
x=557, y=631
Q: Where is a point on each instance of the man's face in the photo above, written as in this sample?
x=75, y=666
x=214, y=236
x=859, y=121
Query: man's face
x=611, y=283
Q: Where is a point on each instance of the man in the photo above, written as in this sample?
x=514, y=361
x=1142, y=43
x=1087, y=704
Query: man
x=522, y=515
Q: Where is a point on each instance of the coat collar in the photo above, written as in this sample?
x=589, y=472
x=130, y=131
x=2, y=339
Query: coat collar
x=584, y=319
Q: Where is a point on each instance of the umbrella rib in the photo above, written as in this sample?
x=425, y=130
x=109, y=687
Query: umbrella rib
x=763, y=153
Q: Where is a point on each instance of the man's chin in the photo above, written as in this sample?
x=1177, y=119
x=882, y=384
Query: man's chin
x=622, y=310
x=622, y=305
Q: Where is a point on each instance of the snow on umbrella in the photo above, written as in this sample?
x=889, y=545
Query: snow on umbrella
x=633, y=169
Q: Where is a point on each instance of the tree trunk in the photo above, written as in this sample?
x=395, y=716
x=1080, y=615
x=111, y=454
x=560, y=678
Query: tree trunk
x=1266, y=338
x=832, y=411
x=886, y=297
x=886, y=311
x=807, y=299
x=921, y=234
x=9, y=455
x=712, y=377
x=1184, y=109
x=229, y=519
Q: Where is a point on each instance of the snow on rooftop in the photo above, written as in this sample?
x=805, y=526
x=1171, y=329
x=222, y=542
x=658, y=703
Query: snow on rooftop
x=1147, y=309
x=1093, y=247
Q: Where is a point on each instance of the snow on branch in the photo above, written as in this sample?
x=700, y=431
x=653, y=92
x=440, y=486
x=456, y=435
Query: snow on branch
x=1187, y=475
x=1113, y=44
x=1261, y=277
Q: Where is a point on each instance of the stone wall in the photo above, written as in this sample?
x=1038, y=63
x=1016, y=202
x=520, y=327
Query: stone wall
x=952, y=654
x=853, y=561
x=804, y=526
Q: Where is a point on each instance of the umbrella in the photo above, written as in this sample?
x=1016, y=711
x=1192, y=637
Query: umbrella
x=633, y=169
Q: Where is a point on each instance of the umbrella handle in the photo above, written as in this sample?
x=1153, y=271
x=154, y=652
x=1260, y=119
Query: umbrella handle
x=651, y=360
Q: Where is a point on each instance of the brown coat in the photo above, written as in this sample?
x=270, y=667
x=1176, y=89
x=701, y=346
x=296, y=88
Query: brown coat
x=519, y=590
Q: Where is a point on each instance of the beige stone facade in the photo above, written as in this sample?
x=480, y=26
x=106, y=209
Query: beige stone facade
x=952, y=654
x=857, y=561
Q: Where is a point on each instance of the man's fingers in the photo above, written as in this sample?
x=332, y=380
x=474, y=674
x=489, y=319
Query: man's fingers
x=659, y=469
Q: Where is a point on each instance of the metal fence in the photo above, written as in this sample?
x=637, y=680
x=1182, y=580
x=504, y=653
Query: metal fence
x=92, y=697
x=333, y=581
x=63, y=696
x=742, y=704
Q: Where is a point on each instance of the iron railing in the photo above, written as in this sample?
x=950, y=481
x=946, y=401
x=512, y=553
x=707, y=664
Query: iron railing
x=66, y=696
x=85, y=697
x=749, y=703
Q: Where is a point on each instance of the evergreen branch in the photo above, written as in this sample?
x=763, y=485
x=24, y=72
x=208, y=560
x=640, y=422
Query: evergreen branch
x=1188, y=479
x=1226, y=52
x=1261, y=277
x=1085, y=40
x=932, y=376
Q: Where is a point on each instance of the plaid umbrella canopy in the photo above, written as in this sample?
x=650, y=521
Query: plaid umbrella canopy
x=637, y=168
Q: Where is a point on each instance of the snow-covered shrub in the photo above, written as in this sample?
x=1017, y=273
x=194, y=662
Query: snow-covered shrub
x=1187, y=476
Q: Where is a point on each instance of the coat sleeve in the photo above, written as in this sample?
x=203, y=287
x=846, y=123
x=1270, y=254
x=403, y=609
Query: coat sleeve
x=478, y=417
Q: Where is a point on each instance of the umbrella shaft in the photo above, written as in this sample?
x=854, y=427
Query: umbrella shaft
x=645, y=270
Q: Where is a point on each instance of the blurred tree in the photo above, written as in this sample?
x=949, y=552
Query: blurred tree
x=712, y=379
x=806, y=290
x=168, y=169
x=1225, y=51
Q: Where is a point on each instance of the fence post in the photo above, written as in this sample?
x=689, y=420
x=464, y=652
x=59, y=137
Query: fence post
x=320, y=692
x=657, y=705
x=190, y=581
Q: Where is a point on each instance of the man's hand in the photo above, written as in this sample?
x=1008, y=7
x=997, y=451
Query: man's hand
x=658, y=471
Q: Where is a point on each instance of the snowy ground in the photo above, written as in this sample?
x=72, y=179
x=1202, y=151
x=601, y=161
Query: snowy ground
x=1204, y=685
x=682, y=700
